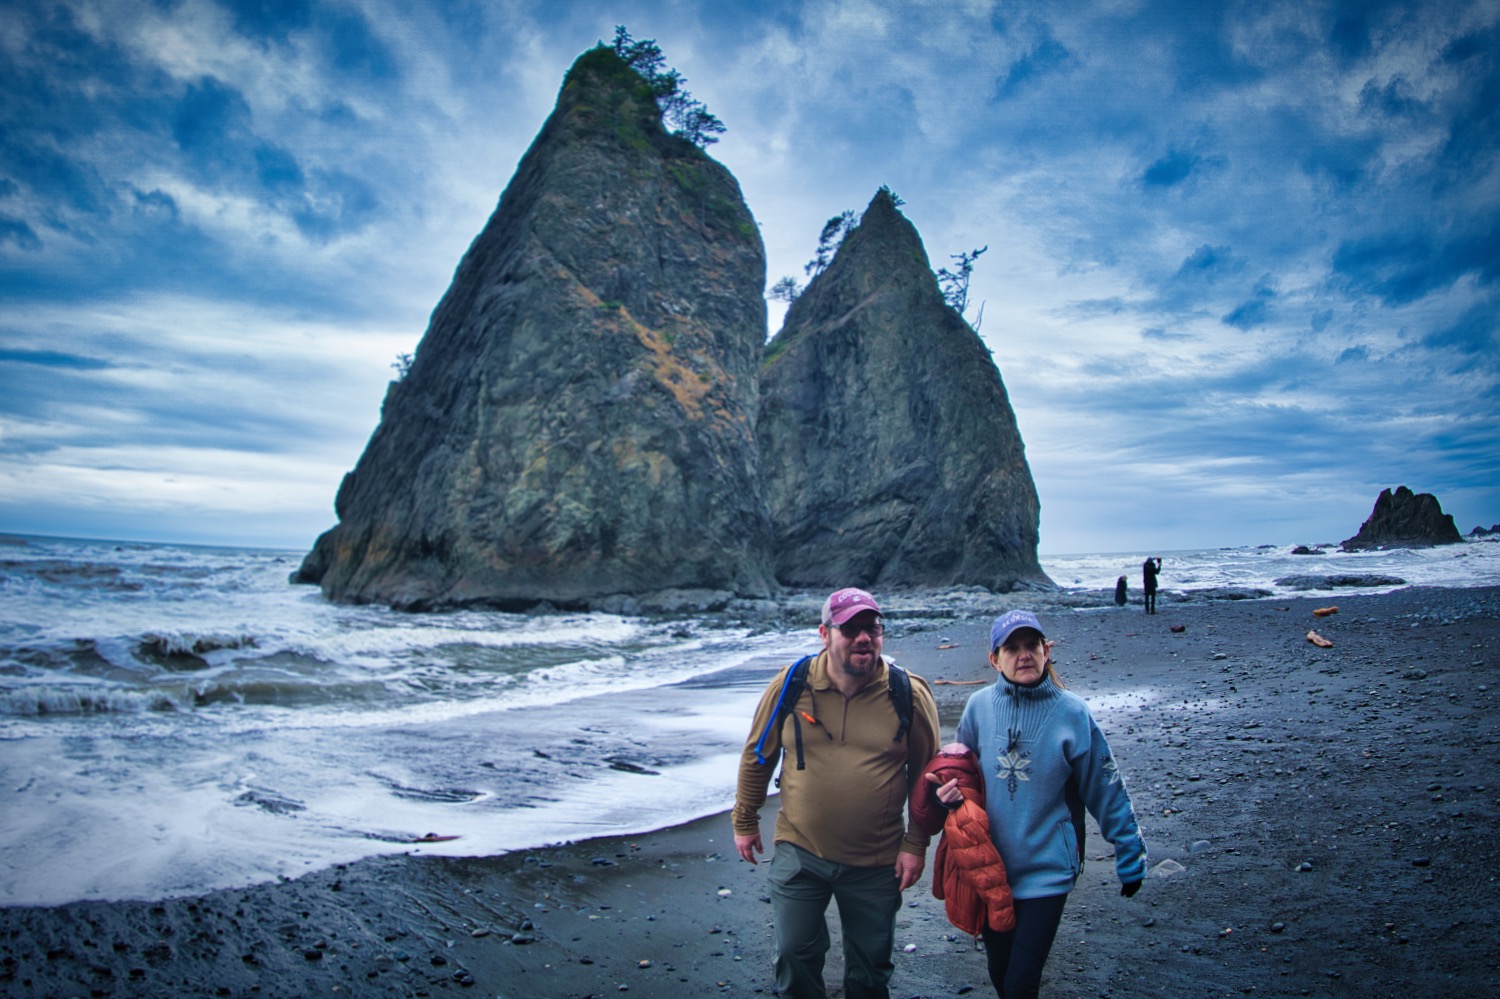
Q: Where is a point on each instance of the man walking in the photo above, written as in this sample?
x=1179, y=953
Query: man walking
x=854, y=735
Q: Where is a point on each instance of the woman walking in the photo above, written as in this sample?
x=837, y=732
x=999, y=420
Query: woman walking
x=1044, y=760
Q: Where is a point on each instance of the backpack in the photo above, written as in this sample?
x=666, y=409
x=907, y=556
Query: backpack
x=899, y=688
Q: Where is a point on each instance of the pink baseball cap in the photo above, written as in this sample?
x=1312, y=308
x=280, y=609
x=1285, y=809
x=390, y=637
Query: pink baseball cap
x=843, y=604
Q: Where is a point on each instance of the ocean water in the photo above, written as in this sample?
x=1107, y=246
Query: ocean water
x=1184, y=573
x=179, y=719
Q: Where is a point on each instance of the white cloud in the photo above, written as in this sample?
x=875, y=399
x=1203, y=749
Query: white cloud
x=187, y=494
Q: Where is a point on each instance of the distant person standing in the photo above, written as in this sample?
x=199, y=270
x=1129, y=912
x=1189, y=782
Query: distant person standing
x=1149, y=569
x=857, y=731
x=1121, y=592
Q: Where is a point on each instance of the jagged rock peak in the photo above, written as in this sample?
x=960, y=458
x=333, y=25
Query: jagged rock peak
x=577, y=420
x=1403, y=519
x=891, y=453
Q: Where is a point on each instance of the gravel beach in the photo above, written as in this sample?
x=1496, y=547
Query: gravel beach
x=1321, y=822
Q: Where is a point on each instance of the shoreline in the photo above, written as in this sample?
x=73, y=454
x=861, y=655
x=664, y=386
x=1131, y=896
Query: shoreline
x=1333, y=812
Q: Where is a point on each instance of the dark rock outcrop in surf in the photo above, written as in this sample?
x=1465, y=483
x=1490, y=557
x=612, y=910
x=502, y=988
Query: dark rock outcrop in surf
x=1403, y=519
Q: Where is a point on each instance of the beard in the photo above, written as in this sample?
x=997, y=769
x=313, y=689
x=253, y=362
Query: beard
x=860, y=660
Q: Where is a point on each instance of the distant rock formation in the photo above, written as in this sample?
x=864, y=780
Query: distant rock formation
x=1336, y=581
x=577, y=421
x=1403, y=519
x=1481, y=532
x=890, y=451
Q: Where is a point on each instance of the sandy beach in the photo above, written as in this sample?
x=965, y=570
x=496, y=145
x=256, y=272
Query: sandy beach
x=1321, y=821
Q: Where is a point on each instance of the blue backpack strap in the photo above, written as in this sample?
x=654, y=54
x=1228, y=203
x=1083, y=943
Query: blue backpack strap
x=795, y=677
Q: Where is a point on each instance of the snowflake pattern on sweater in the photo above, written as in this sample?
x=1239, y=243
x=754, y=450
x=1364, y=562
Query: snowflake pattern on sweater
x=1013, y=770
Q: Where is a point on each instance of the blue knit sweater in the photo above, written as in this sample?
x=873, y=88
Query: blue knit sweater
x=1038, y=747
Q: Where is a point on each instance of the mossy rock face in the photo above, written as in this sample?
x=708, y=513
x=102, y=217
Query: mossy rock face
x=577, y=421
x=891, y=452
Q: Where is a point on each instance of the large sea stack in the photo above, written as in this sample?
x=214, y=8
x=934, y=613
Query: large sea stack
x=890, y=450
x=1404, y=519
x=577, y=421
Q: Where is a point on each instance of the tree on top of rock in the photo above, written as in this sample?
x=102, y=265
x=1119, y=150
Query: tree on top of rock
x=955, y=283
x=829, y=239
x=687, y=116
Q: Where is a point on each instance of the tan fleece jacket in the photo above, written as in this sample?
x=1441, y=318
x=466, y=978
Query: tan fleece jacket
x=850, y=803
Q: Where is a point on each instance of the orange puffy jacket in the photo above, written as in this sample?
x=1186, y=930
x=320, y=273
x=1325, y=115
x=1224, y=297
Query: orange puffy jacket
x=968, y=874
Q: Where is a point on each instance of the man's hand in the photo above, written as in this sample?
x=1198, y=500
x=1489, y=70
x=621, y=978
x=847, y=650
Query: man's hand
x=909, y=868
x=749, y=846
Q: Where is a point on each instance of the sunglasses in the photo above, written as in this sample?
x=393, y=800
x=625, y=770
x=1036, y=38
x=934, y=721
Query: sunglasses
x=851, y=630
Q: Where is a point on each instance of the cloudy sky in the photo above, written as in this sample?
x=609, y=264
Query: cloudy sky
x=1242, y=266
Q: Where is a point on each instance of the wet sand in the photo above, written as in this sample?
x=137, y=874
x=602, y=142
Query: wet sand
x=1328, y=817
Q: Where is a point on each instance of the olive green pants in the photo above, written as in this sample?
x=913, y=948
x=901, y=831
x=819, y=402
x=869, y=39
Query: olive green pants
x=868, y=899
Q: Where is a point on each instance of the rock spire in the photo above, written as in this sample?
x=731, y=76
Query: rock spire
x=577, y=420
x=890, y=450
x=1404, y=519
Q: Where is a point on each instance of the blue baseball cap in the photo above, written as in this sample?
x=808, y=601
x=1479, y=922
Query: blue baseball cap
x=1009, y=623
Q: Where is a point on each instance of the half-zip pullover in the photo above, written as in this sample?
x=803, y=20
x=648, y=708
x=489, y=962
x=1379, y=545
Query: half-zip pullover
x=1032, y=742
x=849, y=804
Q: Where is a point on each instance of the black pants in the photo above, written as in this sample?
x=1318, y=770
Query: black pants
x=1150, y=601
x=1016, y=958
